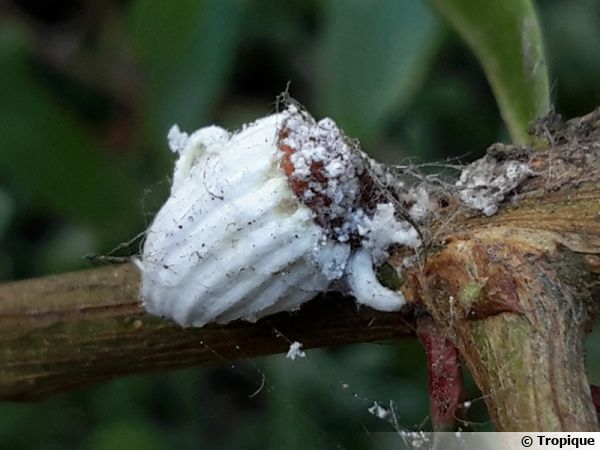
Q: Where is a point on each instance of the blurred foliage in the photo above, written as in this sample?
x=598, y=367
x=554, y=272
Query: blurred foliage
x=507, y=39
x=185, y=53
x=376, y=55
x=87, y=93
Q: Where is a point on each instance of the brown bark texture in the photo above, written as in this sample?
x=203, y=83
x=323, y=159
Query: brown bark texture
x=69, y=330
x=515, y=293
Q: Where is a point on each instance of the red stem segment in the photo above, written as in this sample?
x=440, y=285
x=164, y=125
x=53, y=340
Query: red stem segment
x=446, y=391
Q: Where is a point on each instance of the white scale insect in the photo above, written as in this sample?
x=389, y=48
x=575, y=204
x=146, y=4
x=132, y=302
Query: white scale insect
x=261, y=221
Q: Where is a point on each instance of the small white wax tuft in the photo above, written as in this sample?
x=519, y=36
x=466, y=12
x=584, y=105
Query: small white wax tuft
x=177, y=139
x=295, y=351
x=378, y=411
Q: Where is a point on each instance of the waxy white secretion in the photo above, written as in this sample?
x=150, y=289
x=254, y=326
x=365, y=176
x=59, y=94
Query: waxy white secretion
x=262, y=220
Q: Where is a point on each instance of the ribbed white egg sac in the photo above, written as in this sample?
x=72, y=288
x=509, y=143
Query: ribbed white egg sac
x=238, y=239
x=232, y=241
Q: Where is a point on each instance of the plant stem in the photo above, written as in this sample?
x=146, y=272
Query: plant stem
x=446, y=389
x=68, y=330
x=521, y=332
x=517, y=292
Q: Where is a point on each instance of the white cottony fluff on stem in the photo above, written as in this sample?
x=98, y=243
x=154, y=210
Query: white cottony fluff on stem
x=240, y=237
x=384, y=229
x=421, y=205
x=486, y=182
x=378, y=411
x=295, y=351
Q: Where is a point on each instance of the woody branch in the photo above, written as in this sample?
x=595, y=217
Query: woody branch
x=513, y=291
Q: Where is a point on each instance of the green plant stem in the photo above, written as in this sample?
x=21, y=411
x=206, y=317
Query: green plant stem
x=522, y=335
x=506, y=38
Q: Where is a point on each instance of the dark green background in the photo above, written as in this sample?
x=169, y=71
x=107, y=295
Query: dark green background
x=88, y=90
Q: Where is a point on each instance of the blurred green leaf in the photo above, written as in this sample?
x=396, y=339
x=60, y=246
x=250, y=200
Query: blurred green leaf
x=6, y=266
x=47, y=152
x=572, y=32
x=376, y=55
x=63, y=251
x=127, y=435
x=187, y=48
x=506, y=38
x=6, y=211
x=592, y=352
